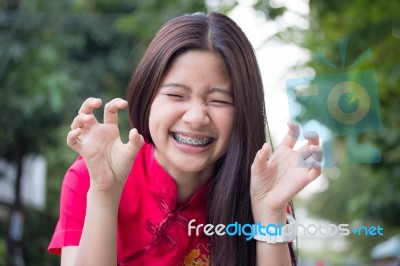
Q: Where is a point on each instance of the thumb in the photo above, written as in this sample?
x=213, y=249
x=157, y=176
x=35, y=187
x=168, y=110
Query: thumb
x=260, y=161
x=135, y=142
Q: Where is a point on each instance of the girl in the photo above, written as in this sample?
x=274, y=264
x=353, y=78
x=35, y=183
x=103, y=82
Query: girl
x=197, y=152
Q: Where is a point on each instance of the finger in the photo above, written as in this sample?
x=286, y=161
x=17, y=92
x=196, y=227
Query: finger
x=291, y=137
x=310, y=159
x=309, y=163
x=312, y=163
x=89, y=105
x=317, y=153
x=311, y=150
x=83, y=120
x=134, y=143
x=313, y=173
x=111, y=110
x=312, y=137
x=73, y=139
x=261, y=158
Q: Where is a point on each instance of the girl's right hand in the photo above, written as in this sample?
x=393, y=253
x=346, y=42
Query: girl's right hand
x=109, y=161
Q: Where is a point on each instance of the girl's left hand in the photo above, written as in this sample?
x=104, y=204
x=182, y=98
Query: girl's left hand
x=276, y=180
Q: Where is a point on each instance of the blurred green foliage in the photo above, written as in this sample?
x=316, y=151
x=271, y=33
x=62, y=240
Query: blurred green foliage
x=364, y=193
x=53, y=55
x=370, y=191
x=3, y=250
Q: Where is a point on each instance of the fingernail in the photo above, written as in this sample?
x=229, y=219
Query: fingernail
x=310, y=135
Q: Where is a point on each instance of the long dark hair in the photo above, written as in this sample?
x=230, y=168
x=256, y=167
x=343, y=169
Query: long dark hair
x=229, y=198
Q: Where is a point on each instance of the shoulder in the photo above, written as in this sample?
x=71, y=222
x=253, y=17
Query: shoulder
x=144, y=161
x=79, y=166
x=77, y=177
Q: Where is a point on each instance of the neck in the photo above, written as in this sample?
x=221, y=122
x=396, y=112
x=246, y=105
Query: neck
x=188, y=183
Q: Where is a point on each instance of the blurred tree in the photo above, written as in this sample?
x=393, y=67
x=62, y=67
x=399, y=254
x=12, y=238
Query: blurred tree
x=376, y=26
x=271, y=9
x=53, y=55
x=367, y=193
x=34, y=84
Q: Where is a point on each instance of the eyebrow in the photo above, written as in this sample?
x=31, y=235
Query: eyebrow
x=220, y=90
x=176, y=85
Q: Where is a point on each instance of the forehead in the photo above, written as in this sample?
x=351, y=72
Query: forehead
x=198, y=66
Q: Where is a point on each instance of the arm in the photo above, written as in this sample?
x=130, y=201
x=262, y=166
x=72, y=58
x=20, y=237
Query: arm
x=109, y=162
x=272, y=254
x=68, y=255
x=99, y=236
x=275, y=181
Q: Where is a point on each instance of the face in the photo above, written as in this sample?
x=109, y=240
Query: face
x=192, y=114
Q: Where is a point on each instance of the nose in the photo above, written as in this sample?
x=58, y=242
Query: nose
x=196, y=116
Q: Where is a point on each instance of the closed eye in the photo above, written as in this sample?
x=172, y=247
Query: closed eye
x=220, y=103
x=174, y=96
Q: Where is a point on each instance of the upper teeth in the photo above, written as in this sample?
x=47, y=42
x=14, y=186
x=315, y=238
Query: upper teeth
x=192, y=141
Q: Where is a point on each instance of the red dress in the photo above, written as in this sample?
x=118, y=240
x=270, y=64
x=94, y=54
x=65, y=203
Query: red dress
x=152, y=228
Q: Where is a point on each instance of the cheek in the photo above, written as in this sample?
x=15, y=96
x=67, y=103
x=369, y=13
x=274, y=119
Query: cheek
x=154, y=118
x=225, y=125
x=163, y=115
x=156, y=112
x=151, y=125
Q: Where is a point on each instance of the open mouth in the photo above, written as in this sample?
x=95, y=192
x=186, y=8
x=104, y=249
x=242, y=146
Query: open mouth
x=196, y=142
